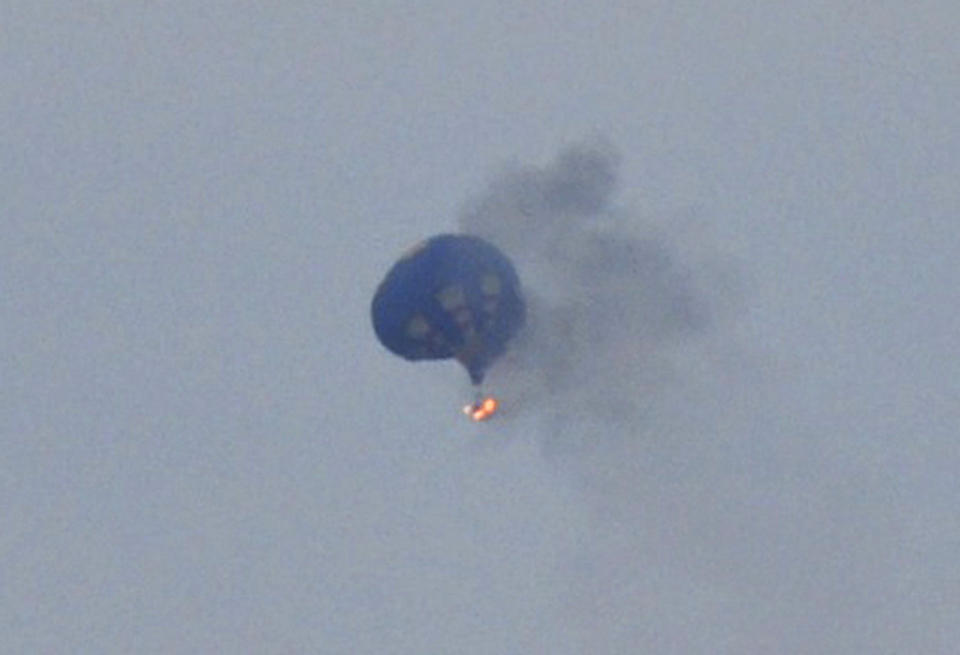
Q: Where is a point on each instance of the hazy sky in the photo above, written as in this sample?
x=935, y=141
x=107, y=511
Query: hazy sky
x=731, y=427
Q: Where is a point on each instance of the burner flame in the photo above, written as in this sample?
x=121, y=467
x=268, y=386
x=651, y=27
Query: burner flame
x=482, y=409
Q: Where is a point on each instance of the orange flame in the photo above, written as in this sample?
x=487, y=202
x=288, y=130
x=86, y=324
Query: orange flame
x=482, y=409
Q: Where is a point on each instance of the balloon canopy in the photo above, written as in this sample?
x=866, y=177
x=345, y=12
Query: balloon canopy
x=450, y=296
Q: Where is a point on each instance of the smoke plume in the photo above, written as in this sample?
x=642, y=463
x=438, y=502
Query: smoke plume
x=608, y=297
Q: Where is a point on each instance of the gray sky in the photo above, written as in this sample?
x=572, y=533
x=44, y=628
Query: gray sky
x=730, y=428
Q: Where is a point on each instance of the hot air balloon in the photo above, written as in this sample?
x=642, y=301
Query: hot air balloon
x=451, y=296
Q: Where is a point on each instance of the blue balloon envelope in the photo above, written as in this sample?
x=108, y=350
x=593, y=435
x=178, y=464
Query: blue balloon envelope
x=450, y=296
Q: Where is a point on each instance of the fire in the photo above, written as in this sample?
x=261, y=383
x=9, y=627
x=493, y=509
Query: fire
x=481, y=410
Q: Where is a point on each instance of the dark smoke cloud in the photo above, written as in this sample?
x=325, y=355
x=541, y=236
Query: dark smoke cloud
x=608, y=294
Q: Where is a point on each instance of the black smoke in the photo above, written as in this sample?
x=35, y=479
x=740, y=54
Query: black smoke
x=609, y=295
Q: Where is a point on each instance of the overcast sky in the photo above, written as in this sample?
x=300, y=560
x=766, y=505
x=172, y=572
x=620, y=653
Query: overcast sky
x=730, y=427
